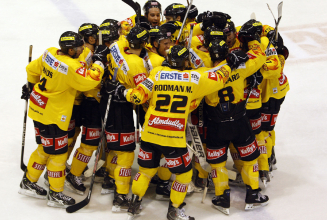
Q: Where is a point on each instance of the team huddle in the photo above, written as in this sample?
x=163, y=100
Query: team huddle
x=199, y=86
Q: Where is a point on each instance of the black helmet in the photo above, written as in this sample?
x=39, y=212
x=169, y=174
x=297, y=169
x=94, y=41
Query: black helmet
x=251, y=30
x=137, y=36
x=177, y=56
x=109, y=22
x=193, y=12
x=70, y=40
x=175, y=10
x=151, y=4
x=218, y=50
x=109, y=33
x=212, y=33
x=158, y=33
x=88, y=29
x=230, y=27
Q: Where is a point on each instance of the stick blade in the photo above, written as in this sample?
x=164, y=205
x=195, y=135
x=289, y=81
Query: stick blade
x=253, y=16
x=280, y=10
x=78, y=206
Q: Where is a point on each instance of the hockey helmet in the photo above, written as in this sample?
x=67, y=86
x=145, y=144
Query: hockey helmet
x=87, y=30
x=230, y=27
x=212, y=33
x=151, y=4
x=177, y=56
x=174, y=10
x=70, y=40
x=137, y=36
x=158, y=33
x=218, y=50
x=251, y=30
x=109, y=33
x=109, y=22
x=193, y=12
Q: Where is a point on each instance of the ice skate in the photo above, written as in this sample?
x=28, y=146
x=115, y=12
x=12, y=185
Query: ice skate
x=178, y=213
x=273, y=159
x=199, y=182
x=108, y=185
x=120, y=203
x=99, y=175
x=264, y=176
x=59, y=200
x=238, y=181
x=29, y=188
x=211, y=185
x=254, y=199
x=134, y=207
x=163, y=190
x=75, y=184
x=222, y=203
x=154, y=180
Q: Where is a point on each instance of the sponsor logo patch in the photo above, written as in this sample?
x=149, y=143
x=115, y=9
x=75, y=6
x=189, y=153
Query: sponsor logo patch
x=179, y=187
x=255, y=94
x=215, y=154
x=125, y=172
x=139, y=78
x=213, y=76
x=114, y=160
x=38, y=99
x=174, y=162
x=282, y=79
x=61, y=142
x=127, y=138
x=111, y=137
x=255, y=123
x=248, y=150
x=265, y=117
x=214, y=173
x=174, y=76
x=137, y=176
x=144, y=155
x=187, y=159
x=148, y=83
x=263, y=149
x=38, y=166
x=273, y=120
x=118, y=58
x=55, y=174
x=81, y=71
x=83, y=158
x=92, y=133
x=255, y=168
x=195, y=77
x=37, y=132
x=71, y=125
x=195, y=59
x=165, y=123
x=47, y=142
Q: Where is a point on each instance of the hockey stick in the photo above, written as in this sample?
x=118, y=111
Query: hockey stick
x=280, y=7
x=253, y=16
x=22, y=165
x=184, y=21
x=137, y=8
x=190, y=37
x=83, y=203
x=137, y=135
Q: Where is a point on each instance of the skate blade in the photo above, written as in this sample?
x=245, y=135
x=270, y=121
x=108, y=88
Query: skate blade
x=46, y=182
x=196, y=190
x=31, y=194
x=107, y=191
x=118, y=209
x=222, y=209
x=254, y=205
x=56, y=204
x=72, y=189
x=162, y=197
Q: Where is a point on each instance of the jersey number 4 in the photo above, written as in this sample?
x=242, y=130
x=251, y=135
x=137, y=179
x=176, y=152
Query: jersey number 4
x=179, y=101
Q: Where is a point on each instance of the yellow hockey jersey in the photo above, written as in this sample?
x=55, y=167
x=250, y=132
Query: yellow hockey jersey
x=198, y=57
x=233, y=90
x=131, y=70
x=52, y=98
x=151, y=60
x=171, y=92
x=271, y=69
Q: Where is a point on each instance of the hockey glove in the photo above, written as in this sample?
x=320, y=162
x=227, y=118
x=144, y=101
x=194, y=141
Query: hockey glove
x=27, y=91
x=111, y=86
x=234, y=59
x=100, y=54
x=255, y=79
x=283, y=51
x=280, y=42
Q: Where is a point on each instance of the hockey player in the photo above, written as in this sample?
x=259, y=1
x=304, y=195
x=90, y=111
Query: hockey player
x=51, y=103
x=228, y=123
x=171, y=91
x=91, y=122
x=175, y=12
x=120, y=128
x=152, y=11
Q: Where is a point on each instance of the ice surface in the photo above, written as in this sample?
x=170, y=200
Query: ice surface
x=298, y=189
